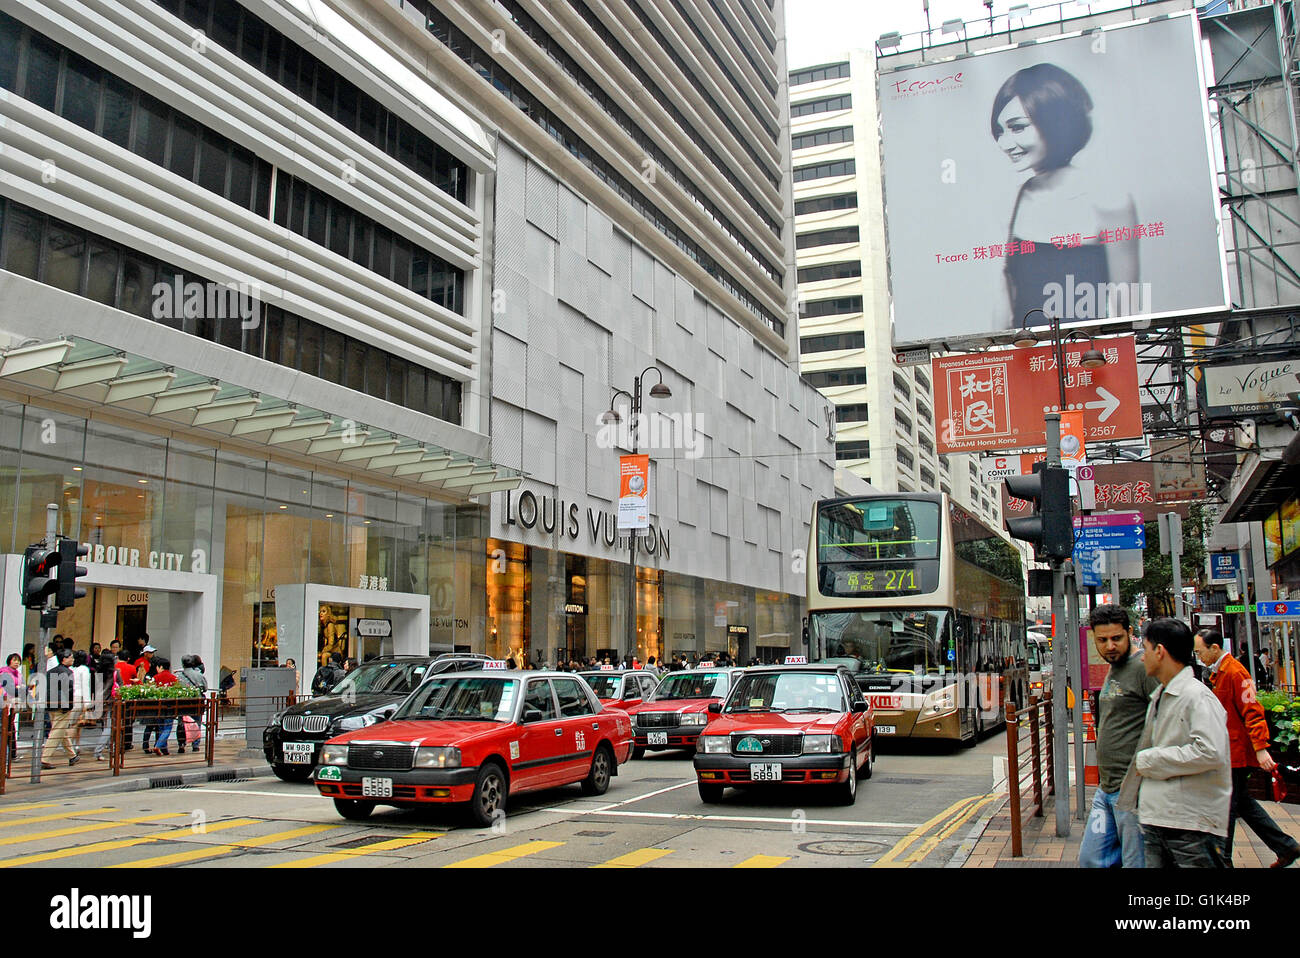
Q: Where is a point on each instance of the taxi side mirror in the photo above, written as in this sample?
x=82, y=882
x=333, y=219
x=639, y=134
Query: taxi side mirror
x=532, y=715
x=715, y=707
x=860, y=706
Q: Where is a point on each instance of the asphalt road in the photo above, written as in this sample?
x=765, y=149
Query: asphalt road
x=915, y=811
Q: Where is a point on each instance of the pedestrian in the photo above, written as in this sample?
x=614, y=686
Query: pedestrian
x=11, y=682
x=95, y=651
x=29, y=663
x=127, y=675
x=349, y=665
x=1181, y=777
x=1113, y=838
x=193, y=677
x=144, y=666
x=162, y=730
x=83, y=699
x=1248, y=734
x=58, y=704
x=328, y=675
x=115, y=646
x=110, y=680
x=1264, y=668
x=651, y=667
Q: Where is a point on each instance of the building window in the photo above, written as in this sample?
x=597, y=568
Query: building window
x=825, y=379
x=819, y=171
x=924, y=442
x=853, y=450
x=922, y=379
x=944, y=464
x=830, y=307
x=901, y=384
x=838, y=134
x=905, y=457
x=851, y=412
x=822, y=105
x=101, y=269
x=821, y=344
x=826, y=204
x=847, y=270
x=832, y=71
x=927, y=477
x=844, y=234
x=973, y=469
x=271, y=53
x=923, y=412
x=903, y=420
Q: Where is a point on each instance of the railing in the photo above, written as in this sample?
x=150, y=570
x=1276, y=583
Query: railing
x=7, y=741
x=1029, y=754
x=155, y=714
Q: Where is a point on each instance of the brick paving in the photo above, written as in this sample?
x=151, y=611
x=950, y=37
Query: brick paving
x=991, y=847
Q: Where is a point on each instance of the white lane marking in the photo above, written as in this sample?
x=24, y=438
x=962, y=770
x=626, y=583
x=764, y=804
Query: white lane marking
x=235, y=791
x=682, y=816
x=629, y=801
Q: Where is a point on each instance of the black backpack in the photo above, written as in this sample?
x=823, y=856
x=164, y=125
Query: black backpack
x=326, y=677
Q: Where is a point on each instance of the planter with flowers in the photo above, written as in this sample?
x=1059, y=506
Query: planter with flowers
x=1283, y=713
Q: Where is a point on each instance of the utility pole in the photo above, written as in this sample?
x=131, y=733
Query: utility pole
x=1060, y=657
x=49, y=619
x=1246, y=603
x=1072, y=627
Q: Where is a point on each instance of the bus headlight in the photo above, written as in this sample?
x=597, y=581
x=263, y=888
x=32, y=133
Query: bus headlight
x=939, y=701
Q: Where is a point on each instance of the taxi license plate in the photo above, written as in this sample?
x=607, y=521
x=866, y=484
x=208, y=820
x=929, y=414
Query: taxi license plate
x=657, y=738
x=377, y=788
x=765, y=773
x=298, y=753
x=886, y=729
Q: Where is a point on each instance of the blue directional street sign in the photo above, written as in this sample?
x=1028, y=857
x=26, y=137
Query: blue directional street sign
x=1111, y=537
x=1087, y=567
x=1277, y=611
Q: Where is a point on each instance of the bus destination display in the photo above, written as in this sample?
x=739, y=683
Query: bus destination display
x=884, y=581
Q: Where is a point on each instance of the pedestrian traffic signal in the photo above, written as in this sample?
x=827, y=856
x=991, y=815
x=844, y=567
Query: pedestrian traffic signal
x=1051, y=527
x=69, y=572
x=39, y=575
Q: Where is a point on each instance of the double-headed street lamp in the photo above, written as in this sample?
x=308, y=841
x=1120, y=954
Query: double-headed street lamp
x=611, y=418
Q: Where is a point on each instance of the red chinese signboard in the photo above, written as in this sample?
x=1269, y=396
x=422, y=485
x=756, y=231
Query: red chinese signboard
x=1123, y=486
x=997, y=400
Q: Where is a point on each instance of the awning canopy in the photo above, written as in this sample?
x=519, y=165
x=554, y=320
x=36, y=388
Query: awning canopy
x=1268, y=485
x=103, y=375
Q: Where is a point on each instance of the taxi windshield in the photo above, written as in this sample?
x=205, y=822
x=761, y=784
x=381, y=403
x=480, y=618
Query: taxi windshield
x=604, y=684
x=463, y=699
x=692, y=685
x=382, y=678
x=787, y=692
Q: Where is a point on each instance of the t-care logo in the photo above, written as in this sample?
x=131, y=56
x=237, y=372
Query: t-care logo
x=905, y=89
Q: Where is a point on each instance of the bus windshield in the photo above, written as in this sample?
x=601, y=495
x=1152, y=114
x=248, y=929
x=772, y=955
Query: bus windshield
x=878, y=530
x=888, y=640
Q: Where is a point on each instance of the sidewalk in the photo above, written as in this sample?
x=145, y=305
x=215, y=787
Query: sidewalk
x=231, y=760
x=990, y=846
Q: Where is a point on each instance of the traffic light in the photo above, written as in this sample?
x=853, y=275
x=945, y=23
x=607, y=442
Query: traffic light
x=1051, y=527
x=39, y=575
x=69, y=572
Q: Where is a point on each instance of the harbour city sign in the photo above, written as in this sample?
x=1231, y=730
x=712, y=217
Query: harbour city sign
x=554, y=516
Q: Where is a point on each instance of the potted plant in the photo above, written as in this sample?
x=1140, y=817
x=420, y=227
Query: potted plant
x=1282, y=710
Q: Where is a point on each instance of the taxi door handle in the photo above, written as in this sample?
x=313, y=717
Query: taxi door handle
x=596, y=726
x=559, y=731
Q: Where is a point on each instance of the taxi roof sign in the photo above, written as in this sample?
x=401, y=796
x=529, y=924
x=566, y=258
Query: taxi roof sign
x=607, y=668
x=492, y=664
x=796, y=660
x=706, y=665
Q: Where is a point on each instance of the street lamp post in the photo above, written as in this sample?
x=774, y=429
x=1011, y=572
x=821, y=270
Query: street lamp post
x=611, y=417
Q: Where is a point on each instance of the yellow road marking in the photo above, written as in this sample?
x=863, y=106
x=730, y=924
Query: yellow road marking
x=51, y=818
x=928, y=845
x=887, y=860
x=125, y=842
x=505, y=855
x=28, y=806
x=211, y=851
x=387, y=845
x=762, y=861
x=636, y=859
x=81, y=829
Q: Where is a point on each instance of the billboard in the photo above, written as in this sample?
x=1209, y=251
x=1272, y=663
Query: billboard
x=634, y=492
x=1230, y=391
x=1071, y=175
x=1122, y=486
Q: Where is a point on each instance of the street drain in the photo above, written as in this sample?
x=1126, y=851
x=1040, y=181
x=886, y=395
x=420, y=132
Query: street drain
x=847, y=848
x=167, y=781
x=358, y=842
x=590, y=834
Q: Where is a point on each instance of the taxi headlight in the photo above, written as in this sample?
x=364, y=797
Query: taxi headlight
x=695, y=718
x=821, y=744
x=429, y=756
x=939, y=701
x=334, y=755
x=713, y=744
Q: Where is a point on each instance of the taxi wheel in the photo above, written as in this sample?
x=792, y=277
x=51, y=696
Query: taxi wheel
x=292, y=773
x=710, y=794
x=597, y=780
x=848, y=792
x=871, y=760
x=489, y=795
x=353, y=809
x=638, y=751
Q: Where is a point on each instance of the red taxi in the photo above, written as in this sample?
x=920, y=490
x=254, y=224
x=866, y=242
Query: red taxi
x=675, y=714
x=803, y=724
x=620, y=688
x=477, y=738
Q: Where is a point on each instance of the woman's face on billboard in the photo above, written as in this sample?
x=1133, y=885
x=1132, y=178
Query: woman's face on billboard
x=1019, y=139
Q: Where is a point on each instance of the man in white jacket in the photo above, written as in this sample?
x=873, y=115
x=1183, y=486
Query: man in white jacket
x=1181, y=778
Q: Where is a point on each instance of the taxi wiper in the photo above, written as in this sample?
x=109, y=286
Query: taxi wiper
x=811, y=708
x=767, y=708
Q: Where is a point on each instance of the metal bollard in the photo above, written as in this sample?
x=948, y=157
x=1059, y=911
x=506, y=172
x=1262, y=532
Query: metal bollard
x=1013, y=778
x=1037, y=756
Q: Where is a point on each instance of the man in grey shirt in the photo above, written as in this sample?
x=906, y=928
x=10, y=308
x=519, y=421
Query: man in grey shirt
x=1114, y=837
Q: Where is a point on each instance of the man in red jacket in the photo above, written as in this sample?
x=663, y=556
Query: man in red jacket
x=1248, y=733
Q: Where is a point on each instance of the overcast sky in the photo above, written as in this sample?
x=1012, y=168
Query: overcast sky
x=819, y=30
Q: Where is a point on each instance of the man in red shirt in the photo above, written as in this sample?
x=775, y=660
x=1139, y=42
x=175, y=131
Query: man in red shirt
x=145, y=662
x=1248, y=734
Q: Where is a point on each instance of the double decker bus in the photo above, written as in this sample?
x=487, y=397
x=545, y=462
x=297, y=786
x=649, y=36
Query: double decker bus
x=925, y=605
